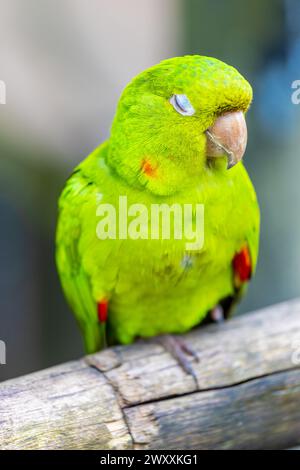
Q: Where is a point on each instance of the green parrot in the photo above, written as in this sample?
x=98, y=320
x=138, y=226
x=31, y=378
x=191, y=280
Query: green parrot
x=178, y=137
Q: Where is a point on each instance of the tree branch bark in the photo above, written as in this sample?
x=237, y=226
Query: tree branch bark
x=247, y=393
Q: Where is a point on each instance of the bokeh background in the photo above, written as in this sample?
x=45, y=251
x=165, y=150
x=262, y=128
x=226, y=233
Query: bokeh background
x=65, y=63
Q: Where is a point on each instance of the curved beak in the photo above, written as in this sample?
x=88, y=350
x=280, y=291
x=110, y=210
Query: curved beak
x=227, y=137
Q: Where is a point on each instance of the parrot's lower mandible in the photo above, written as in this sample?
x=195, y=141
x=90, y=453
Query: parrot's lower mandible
x=158, y=228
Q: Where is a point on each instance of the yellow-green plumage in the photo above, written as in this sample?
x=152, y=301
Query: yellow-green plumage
x=156, y=286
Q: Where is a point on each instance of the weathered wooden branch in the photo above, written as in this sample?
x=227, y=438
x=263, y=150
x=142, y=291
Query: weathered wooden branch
x=247, y=395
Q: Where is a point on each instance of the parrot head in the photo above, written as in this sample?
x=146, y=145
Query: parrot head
x=179, y=122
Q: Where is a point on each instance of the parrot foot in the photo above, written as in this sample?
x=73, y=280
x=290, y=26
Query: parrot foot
x=179, y=349
x=217, y=314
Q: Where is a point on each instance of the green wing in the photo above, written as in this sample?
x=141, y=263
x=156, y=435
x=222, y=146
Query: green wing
x=76, y=196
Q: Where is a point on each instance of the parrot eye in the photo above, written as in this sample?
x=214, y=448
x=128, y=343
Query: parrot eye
x=182, y=105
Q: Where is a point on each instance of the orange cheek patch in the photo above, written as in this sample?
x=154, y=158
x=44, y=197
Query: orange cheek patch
x=148, y=169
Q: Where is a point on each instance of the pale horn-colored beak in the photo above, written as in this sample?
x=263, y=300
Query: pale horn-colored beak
x=227, y=137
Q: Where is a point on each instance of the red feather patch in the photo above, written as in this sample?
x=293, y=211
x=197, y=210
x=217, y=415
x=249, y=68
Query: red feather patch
x=242, y=265
x=102, y=309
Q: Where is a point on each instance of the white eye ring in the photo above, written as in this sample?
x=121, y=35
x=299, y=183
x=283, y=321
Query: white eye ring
x=182, y=105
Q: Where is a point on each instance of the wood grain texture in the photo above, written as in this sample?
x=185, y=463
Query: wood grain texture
x=247, y=393
x=65, y=407
x=260, y=414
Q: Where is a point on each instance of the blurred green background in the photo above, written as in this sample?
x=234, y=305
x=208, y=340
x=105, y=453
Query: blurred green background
x=65, y=63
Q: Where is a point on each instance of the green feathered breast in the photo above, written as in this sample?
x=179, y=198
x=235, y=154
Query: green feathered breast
x=155, y=156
